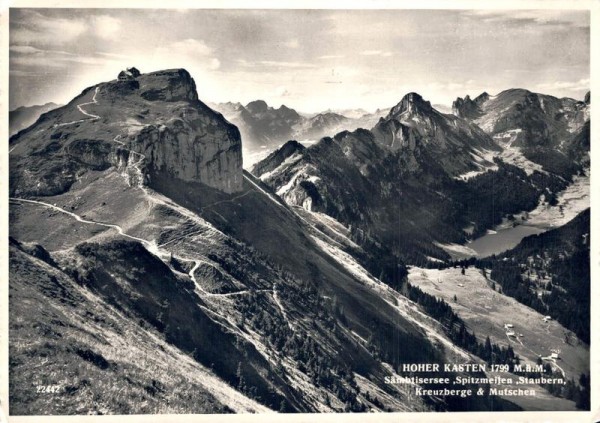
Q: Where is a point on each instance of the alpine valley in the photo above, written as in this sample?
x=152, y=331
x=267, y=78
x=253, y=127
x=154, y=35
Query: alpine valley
x=151, y=273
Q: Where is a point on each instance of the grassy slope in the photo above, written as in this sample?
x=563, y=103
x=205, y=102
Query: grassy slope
x=104, y=363
x=278, y=232
x=486, y=311
x=107, y=198
x=275, y=231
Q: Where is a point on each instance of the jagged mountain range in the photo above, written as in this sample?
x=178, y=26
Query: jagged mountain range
x=542, y=126
x=131, y=218
x=445, y=172
x=114, y=204
x=266, y=127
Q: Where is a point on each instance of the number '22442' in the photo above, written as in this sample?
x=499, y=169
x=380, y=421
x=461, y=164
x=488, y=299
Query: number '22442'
x=48, y=389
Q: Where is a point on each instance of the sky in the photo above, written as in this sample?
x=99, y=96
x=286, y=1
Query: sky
x=311, y=60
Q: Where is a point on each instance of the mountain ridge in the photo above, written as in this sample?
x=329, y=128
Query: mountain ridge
x=285, y=288
x=202, y=259
x=217, y=142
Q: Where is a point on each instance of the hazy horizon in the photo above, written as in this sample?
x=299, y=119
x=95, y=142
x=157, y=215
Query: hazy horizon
x=310, y=60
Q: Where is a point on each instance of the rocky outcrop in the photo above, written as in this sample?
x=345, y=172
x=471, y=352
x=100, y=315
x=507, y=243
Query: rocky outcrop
x=200, y=149
x=275, y=159
x=465, y=108
x=168, y=85
x=194, y=143
x=422, y=136
x=410, y=103
x=257, y=106
x=531, y=120
x=151, y=125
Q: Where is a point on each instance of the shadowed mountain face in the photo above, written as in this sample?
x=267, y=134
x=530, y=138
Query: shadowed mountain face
x=421, y=132
x=420, y=177
x=261, y=124
x=23, y=117
x=132, y=200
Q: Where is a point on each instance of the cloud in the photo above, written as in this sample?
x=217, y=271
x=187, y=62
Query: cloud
x=39, y=29
x=24, y=50
x=279, y=64
x=191, y=46
x=187, y=50
x=106, y=26
x=582, y=84
x=33, y=27
x=115, y=55
x=58, y=61
x=556, y=18
x=376, y=53
x=40, y=58
x=292, y=43
x=332, y=56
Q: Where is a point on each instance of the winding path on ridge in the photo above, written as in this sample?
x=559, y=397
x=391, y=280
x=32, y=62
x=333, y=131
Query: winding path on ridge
x=79, y=107
x=151, y=245
x=82, y=220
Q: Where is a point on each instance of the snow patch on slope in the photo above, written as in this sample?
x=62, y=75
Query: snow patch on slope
x=293, y=159
x=484, y=159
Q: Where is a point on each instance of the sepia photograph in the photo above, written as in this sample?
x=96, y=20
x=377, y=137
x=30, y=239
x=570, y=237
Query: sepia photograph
x=308, y=210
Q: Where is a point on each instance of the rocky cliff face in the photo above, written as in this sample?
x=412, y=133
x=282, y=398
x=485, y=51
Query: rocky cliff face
x=199, y=150
x=467, y=108
x=541, y=127
x=153, y=124
x=420, y=133
x=538, y=119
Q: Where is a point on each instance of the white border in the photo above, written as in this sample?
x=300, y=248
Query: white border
x=581, y=416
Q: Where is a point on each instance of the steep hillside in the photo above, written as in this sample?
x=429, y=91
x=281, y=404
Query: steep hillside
x=132, y=201
x=357, y=181
x=426, y=135
x=551, y=273
x=542, y=127
x=101, y=357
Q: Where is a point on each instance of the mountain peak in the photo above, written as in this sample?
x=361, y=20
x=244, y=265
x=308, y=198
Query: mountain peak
x=276, y=158
x=174, y=135
x=469, y=108
x=411, y=103
x=163, y=85
x=257, y=106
